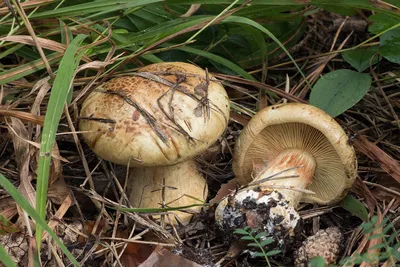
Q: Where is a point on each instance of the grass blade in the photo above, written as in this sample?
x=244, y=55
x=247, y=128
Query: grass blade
x=219, y=60
x=59, y=93
x=24, y=204
x=242, y=20
x=4, y=258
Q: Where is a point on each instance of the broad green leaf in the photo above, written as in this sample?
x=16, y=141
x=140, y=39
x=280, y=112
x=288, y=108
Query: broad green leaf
x=24, y=204
x=389, y=45
x=360, y=58
x=59, y=93
x=5, y=258
x=339, y=90
x=345, y=11
x=355, y=207
x=381, y=22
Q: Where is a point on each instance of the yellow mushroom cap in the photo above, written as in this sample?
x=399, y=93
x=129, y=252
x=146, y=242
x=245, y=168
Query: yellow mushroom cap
x=164, y=114
x=304, y=127
x=178, y=185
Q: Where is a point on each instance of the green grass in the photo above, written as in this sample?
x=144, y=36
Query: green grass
x=238, y=45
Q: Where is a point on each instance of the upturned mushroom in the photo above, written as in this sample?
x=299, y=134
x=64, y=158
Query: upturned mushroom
x=164, y=114
x=287, y=154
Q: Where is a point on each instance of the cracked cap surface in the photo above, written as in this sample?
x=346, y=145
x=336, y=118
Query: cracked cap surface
x=155, y=117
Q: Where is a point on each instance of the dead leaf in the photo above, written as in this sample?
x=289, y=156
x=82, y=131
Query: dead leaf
x=239, y=118
x=20, y=136
x=55, y=167
x=225, y=190
x=388, y=164
x=162, y=257
x=193, y=8
x=26, y=5
x=43, y=42
x=33, y=253
x=136, y=253
x=25, y=116
x=59, y=214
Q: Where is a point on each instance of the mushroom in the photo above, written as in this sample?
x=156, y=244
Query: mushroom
x=286, y=154
x=325, y=243
x=178, y=185
x=164, y=114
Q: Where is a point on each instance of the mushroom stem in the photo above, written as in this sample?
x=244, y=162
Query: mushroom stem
x=168, y=187
x=289, y=172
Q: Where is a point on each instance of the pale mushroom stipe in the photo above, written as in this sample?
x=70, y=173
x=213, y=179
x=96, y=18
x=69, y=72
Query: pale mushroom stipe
x=287, y=154
x=164, y=114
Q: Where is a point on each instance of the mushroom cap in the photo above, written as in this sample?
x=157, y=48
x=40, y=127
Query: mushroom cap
x=184, y=186
x=305, y=127
x=158, y=116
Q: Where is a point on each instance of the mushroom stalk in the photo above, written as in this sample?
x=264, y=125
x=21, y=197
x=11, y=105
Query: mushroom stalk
x=288, y=173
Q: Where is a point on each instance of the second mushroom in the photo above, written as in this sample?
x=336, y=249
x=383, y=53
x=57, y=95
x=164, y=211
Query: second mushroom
x=157, y=120
x=287, y=154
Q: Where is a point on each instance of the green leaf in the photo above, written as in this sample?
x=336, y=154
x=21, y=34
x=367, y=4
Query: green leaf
x=241, y=232
x=246, y=21
x=360, y=59
x=26, y=69
x=317, y=262
x=272, y=252
x=393, y=236
x=378, y=246
x=85, y=8
x=59, y=93
x=247, y=238
x=5, y=258
x=355, y=207
x=396, y=251
x=266, y=242
x=258, y=254
x=345, y=11
x=219, y=60
x=24, y=204
x=389, y=45
x=339, y=90
x=366, y=257
x=381, y=22
x=259, y=235
x=253, y=245
x=375, y=236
